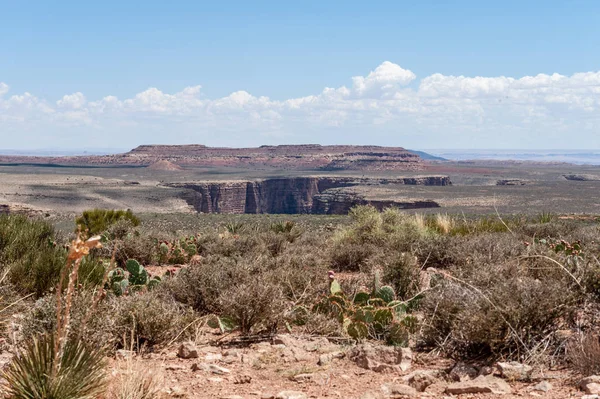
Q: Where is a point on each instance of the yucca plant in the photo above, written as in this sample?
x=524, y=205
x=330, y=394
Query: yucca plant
x=36, y=373
x=59, y=365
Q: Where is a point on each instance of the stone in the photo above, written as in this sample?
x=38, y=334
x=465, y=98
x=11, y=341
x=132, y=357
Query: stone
x=592, y=388
x=327, y=358
x=398, y=391
x=175, y=367
x=371, y=395
x=302, y=377
x=481, y=384
x=543, y=386
x=267, y=396
x=421, y=379
x=215, y=369
x=590, y=385
x=590, y=397
x=291, y=395
x=381, y=358
x=177, y=392
x=210, y=367
x=242, y=379
x=462, y=372
x=212, y=357
x=293, y=354
x=515, y=371
x=188, y=350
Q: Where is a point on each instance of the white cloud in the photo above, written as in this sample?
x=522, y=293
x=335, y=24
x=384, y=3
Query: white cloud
x=3, y=88
x=72, y=101
x=381, y=107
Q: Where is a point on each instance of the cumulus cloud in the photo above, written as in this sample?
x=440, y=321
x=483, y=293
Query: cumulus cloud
x=383, y=107
x=3, y=88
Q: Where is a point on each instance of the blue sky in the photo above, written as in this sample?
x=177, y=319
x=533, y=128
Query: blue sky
x=278, y=57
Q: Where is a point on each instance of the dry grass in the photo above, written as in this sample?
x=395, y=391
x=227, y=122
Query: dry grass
x=134, y=380
x=444, y=223
x=584, y=354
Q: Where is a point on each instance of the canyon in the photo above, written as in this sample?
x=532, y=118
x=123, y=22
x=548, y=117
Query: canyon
x=297, y=195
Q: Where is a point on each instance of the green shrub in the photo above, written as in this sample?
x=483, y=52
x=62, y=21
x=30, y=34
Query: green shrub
x=97, y=221
x=29, y=252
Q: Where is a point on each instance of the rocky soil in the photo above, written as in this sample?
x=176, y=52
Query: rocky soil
x=287, y=367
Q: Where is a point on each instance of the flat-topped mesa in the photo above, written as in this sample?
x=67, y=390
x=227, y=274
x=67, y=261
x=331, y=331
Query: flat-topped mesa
x=305, y=156
x=289, y=157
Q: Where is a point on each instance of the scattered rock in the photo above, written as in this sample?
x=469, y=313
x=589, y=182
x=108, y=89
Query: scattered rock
x=187, y=350
x=242, y=379
x=462, y=372
x=293, y=354
x=590, y=385
x=421, y=379
x=398, y=391
x=177, y=392
x=213, y=368
x=213, y=357
x=481, y=384
x=543, y=386
x=175, y=367
x=381, y=358
x=515, y=371
x=290, y=395
x=371, y=395
x=302, y=377
x=327, y=358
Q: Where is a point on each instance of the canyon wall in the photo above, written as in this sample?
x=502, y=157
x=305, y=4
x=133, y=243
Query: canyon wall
x=295, y=194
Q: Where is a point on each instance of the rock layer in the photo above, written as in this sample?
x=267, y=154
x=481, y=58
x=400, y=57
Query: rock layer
x=295, y=195
x=302, y=157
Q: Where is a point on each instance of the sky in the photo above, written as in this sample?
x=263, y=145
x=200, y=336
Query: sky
x=414, y=73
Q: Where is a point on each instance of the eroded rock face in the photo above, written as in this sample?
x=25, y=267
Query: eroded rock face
x=381, y=358
x=296, y=195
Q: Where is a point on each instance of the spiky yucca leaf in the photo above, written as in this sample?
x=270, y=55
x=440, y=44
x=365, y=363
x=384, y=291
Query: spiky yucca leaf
x=80, y=374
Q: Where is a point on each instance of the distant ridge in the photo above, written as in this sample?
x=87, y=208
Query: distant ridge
x=288, y=157
x=426, y=156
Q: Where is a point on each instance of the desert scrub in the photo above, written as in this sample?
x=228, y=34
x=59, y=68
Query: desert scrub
x=245, y=290
x=97, y=221
x=150, y=318
x=499, y=310
x=30, y=254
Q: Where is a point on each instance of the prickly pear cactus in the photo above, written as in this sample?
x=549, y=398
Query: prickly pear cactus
x=153, y=282
x=116, y=275
x=137, y=274
x=386, y=293
x=120, y=287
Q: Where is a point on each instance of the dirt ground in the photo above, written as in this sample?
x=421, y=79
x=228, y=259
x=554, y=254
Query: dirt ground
x=265, y=369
